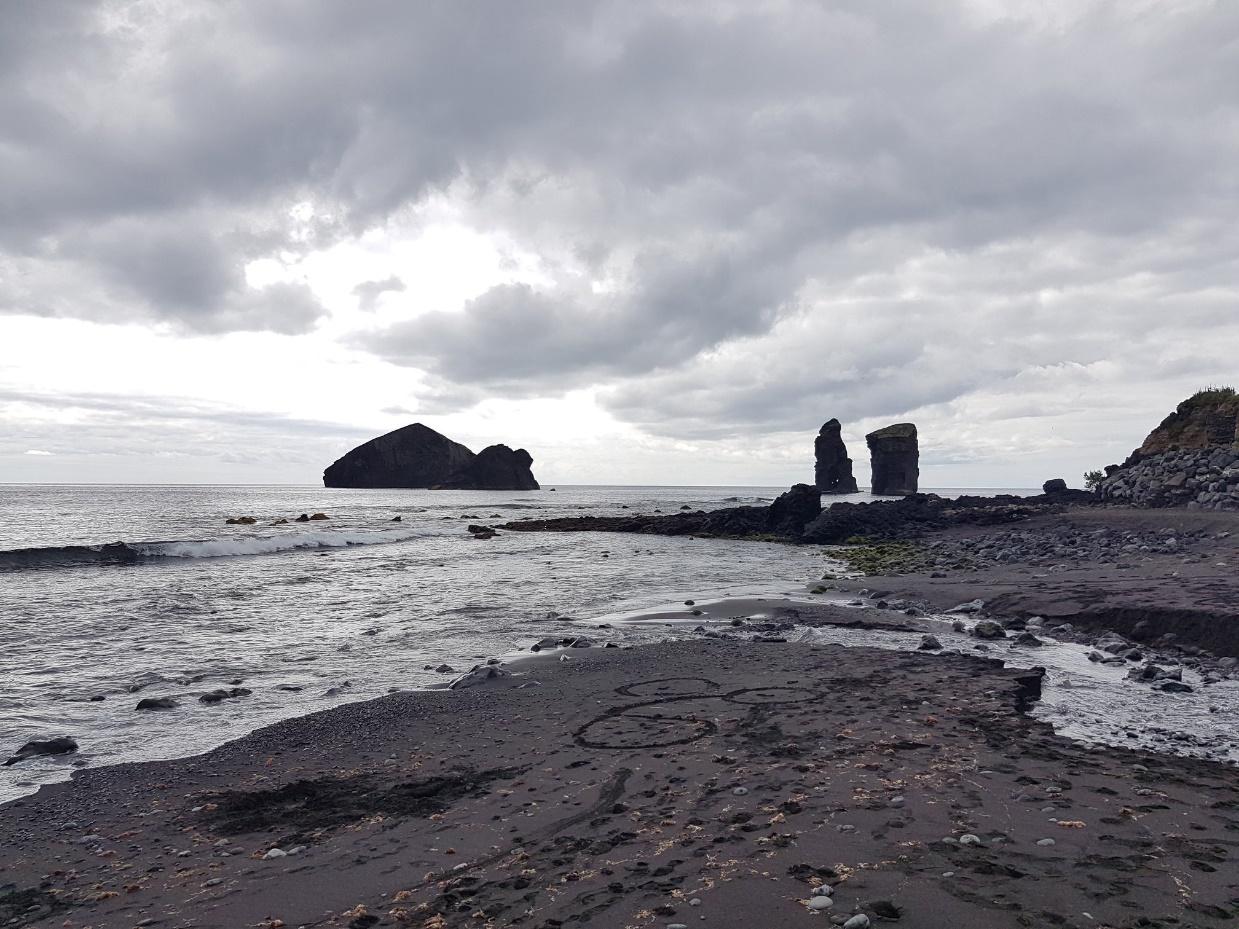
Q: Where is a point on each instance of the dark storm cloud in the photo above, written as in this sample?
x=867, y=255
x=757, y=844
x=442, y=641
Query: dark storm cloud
x=731, y=202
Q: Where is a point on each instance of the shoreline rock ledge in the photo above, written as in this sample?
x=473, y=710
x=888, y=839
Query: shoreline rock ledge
x=416, y=456
x=895, y=457
x=833, y=471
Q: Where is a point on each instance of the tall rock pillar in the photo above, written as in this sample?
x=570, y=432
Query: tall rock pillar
x=833, y=472
x=895, y=459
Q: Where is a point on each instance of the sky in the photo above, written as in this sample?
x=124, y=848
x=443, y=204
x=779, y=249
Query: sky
x=653, y=243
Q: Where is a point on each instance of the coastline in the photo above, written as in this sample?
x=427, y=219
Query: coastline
x=708, y=780
x=628, y=783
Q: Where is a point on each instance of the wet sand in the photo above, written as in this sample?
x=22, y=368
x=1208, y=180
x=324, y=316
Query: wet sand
x=711, y=783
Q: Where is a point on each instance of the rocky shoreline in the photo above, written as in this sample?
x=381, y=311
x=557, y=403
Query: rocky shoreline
x=721, y=782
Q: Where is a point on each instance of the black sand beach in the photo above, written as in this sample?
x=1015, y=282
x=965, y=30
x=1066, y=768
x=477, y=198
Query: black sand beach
x=703, y=783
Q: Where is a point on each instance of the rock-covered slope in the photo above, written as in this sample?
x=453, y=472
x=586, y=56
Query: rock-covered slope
x=417, y=456
x=1191, y=459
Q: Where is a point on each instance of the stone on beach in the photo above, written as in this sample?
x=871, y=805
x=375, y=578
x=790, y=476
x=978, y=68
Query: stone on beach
x=929, y=643
x=479, y=674
x=988, y=629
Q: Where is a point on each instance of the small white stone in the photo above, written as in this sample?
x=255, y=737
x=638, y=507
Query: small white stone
x=1045, y=843
x=275, y=853
x=740, y=791
x=859, y=921
x=296, y=850
x=696, y=901
x=820, y=903
x=824, y=891
x=948, y=873
x=969, y=839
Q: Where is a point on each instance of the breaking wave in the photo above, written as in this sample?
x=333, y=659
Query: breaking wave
x=122, y=553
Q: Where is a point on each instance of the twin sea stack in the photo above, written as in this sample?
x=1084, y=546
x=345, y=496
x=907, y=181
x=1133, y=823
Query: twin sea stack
x=417, y=456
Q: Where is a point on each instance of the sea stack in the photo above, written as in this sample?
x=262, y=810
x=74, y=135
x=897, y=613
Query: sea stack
x=895, y=459
x=833, y=472
x=417, y=456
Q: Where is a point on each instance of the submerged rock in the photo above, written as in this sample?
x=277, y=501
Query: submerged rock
x=156, y=703
x=417, y=456
x=988, y=629
x=216, y=696
x=61, y=745
x=833, y=469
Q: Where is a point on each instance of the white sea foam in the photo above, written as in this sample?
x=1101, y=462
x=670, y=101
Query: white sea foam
x=266, y=545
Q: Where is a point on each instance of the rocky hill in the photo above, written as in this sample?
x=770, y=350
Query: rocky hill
x=1191, y=459
x=417, y=456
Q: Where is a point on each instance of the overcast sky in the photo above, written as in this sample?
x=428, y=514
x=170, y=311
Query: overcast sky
x=650, y=242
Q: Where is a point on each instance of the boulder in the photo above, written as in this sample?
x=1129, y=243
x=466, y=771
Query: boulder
x=833, y=470
x=417, y=456
x=61, y=745
x=988, y=629
x=793, y=510
x=1055, y=485
x=895, y=460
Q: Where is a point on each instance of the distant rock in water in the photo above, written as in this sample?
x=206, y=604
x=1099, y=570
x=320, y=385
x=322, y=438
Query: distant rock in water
x=895, y=458
x=833, y=472
x=496, y=467
x=417, y=456
x=784, y=519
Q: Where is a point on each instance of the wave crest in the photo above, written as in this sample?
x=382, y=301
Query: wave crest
x=120, y=553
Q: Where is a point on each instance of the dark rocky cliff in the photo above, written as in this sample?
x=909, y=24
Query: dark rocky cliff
x=417, y=456
x=833, y=471
x=895, y=458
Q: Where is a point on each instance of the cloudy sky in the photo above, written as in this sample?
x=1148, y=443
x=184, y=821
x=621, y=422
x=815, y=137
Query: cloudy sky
x=651, y=242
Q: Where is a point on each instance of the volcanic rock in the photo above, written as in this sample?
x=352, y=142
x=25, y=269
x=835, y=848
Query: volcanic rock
x=793, y=510
x=833, y=471
x=895, y=456
x=495, y=467
x=58, y=746
x=417, y=456
x=1054, y=485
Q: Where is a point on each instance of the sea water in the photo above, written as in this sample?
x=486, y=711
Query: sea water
x=307, y=615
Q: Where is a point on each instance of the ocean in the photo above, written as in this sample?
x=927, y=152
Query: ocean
x=306, y=616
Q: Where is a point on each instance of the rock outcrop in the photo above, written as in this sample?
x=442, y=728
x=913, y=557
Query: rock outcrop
x=1191, y=459
x=417, y=456
x=833, y=471
x=785, y=519
x=895, y=459
x=496, y=467
x=1207, y=419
